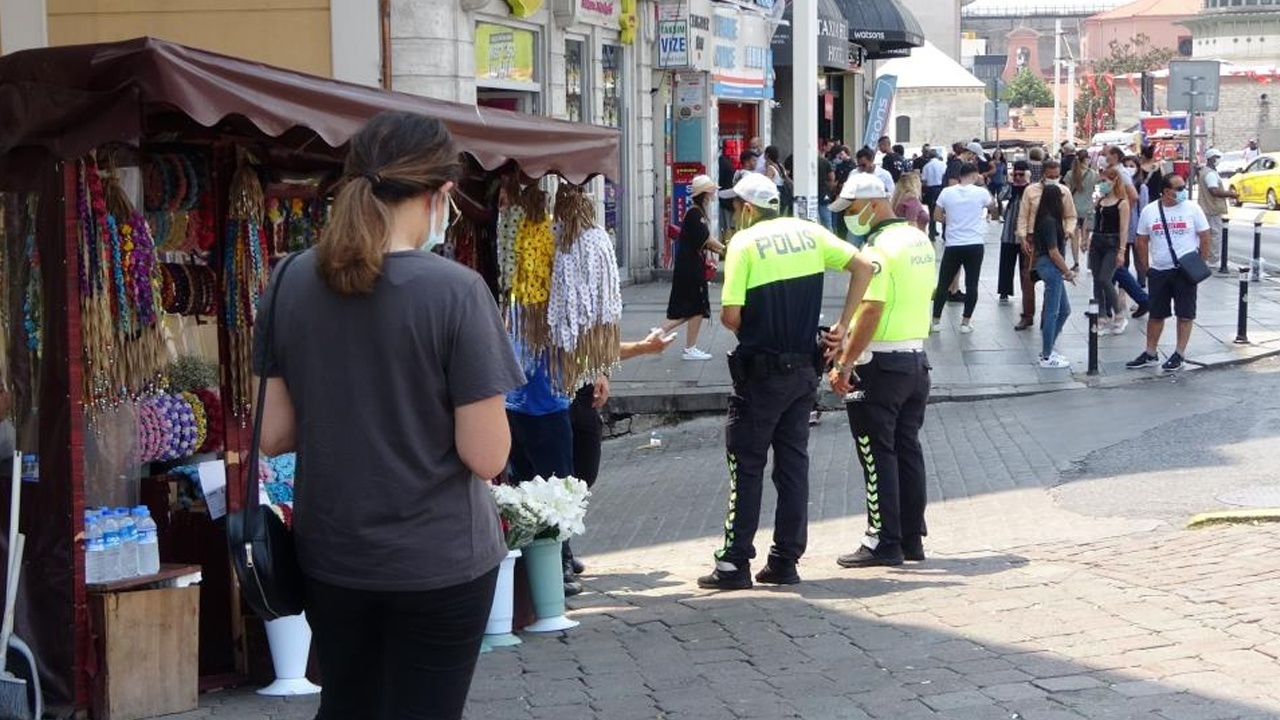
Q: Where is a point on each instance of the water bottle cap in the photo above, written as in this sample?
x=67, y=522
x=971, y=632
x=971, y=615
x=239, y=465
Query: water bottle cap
x=142, y=511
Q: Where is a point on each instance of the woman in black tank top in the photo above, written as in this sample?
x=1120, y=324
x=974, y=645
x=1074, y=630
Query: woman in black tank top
x=1105, y=247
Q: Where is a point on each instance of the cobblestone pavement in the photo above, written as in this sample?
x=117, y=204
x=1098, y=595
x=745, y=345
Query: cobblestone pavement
x=1056, y=587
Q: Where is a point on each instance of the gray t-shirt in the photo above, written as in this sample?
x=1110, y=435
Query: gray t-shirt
x=382, y=501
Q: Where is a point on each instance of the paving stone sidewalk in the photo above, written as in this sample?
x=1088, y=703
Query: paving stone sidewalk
x=1025, y=609
x=993, y=361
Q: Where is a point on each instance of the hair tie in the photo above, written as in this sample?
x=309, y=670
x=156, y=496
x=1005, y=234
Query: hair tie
x=373, y=178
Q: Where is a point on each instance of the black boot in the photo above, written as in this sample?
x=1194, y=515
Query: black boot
x=571, y=585
x=779, y=572
x=566, y=553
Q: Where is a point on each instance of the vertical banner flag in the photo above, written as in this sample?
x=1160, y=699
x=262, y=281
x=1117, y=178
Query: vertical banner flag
x=881, y=104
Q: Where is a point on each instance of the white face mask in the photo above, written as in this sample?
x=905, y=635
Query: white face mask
x=435, y=236
x=857, y=225
x=1050, y=181
x=1128, y=171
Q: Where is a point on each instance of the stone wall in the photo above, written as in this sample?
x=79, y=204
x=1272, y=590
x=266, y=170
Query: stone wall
x=939, y=116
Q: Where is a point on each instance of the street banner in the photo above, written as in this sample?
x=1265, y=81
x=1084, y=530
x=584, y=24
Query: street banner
x=881, y=105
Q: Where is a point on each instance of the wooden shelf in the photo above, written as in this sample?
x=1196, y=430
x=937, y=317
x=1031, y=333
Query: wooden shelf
x=168, y=571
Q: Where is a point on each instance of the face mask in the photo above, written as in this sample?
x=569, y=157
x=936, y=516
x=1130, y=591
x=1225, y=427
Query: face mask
x=435, y=237
x=1051, y=181
x=1128, y=171
x=1104, y=188
x=1182, y=195
x=857, y=225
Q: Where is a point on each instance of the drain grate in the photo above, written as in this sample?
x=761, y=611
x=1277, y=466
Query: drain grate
x=1259, y=496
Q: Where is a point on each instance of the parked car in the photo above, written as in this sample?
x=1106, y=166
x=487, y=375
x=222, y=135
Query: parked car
x=1259, y=182
x=1230, y=163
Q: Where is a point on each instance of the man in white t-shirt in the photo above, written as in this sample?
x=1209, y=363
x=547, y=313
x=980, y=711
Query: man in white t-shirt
x=866, y=159
x=1213, y=195
x=933, y=178
x=1174, y=223
x=965, y=209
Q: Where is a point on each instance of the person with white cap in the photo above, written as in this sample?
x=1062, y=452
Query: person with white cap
x=1213, y=195
x=690, y=300
x=892, y=380
x=772, y=300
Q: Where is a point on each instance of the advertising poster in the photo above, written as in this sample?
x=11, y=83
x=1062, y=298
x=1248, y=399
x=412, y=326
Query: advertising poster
x=881, y=106
x=504, y=53
x=682, y=175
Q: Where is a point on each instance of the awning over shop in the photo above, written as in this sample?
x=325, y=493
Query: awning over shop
x=833, y=38
x=884, y=27
x=71, y=99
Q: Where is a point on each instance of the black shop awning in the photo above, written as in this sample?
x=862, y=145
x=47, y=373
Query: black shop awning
x=884, y=27
x=833, y=38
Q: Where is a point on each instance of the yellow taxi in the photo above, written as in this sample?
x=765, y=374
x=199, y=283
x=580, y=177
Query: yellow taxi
x=1259, y=181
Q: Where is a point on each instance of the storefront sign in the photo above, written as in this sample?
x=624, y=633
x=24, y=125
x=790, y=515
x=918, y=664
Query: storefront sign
x=682, y=175
x=881, y=105
x=741, y=63
x=673, y=44
x=504, y=53
x=833, y=41
x=690, y=95
x=590, y=12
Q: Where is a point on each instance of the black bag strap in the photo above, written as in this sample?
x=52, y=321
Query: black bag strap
x=251, y=500
x=1164, y=224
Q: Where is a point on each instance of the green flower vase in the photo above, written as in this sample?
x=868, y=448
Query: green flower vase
x=546, y=586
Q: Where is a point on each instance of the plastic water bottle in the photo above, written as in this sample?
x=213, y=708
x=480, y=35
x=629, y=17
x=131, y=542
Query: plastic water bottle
x=128, y=544
x=111, y=541
x=93, y=548
x=655, y=440
x=148, y=543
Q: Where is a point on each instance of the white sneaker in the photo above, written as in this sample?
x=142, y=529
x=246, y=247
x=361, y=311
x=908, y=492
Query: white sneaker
x=1119, y=325
x=1055, y=363
x=965, y=328
x=693, y=353
x=936, y=327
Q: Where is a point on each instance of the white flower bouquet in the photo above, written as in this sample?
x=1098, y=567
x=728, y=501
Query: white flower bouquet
x=542, y=508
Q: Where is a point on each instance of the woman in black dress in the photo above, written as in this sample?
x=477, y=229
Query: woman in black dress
x=690, y=301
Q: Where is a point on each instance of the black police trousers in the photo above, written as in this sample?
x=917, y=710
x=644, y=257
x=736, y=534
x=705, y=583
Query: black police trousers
x=886, y=417
x=769, y=410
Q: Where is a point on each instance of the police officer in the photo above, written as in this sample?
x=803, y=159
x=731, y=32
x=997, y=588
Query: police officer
x=886, y=395
x=774, y=269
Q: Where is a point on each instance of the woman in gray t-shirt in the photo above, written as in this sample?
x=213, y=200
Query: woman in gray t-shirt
x=386, y=374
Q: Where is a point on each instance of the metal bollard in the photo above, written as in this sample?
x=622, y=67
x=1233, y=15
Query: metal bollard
x=1257, y=249
x=1242, y=309
x=1222, y=259
x=1092, y=312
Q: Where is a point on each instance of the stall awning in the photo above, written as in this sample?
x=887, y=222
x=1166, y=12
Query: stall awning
x=884, y=27
x=71, y=99
x=833, y=38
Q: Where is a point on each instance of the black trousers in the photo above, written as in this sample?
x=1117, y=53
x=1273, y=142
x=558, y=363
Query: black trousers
x=588, y=434
x=398, y=655
x=1011, y=258
x=953, y=258
x=931, y=194
x=769, y=412
x=886, y=422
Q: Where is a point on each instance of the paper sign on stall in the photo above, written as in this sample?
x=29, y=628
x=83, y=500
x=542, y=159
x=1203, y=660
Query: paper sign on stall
x=213, y=483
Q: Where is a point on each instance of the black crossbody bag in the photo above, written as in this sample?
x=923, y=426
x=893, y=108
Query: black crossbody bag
x=1191, y=265
x=261, y=546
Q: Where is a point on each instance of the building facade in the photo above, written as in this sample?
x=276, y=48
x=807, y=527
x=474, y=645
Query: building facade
x=940, y=20
x=1160, y=20
x=995, y=20
x=1236, y=31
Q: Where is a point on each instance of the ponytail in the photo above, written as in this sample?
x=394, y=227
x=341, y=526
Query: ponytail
x=397, y=157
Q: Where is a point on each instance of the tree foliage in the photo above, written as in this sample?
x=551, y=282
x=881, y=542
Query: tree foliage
x=1027, y=88
x=1095, y=100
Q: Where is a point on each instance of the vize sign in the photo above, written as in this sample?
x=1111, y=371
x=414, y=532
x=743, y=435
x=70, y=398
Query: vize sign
x=673, y=43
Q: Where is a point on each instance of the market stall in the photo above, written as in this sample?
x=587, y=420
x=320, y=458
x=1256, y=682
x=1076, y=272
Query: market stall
x=145, y=188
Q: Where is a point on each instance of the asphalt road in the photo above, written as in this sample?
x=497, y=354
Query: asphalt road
x=1240, y=243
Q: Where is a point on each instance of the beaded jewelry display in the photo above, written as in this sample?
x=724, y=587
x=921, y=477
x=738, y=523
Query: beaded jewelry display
x=200, y=417
x=213, y=420
x=531, y=288
x=245, y=277
x=33, y=293
x=585, y=306
x=119, y=293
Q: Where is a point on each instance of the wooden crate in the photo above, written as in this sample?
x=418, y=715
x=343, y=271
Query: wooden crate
x=148, y=644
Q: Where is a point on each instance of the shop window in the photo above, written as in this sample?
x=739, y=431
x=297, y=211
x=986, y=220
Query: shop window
x=611, y=60
x=575, y=95
x=902, y=129
x=613, y=93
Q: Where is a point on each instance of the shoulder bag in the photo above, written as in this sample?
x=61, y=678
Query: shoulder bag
x=1190, y=265
x=261, y=547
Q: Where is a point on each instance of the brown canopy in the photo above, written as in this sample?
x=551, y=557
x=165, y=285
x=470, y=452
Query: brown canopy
x=71, y=99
